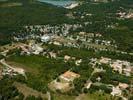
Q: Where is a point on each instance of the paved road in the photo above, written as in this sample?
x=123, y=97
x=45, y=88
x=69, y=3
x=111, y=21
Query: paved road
x=49, y=96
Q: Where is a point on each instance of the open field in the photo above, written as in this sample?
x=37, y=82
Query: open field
x=94, y=96
x=39, y=69
x=26, y=68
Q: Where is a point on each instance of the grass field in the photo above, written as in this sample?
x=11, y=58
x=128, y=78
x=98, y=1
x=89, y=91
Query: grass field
x=39, y=69
x=26, y=68
x=57, y=96
x=27, y=91
x=88, y=96
x=96, y=96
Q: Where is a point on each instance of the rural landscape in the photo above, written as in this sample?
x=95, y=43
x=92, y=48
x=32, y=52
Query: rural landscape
x=66, y=49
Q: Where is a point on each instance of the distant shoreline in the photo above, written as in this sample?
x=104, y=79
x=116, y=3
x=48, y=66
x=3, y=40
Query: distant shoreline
x=72, y=5
x=60, y=3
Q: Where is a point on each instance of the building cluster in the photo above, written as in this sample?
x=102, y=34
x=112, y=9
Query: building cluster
x=57, y=29
x=32, y=48
x=123, y=67
x=117, y=90
x=80, y=40
x=88, y=40
x=60, y=35
x=125, y=15
x=37, y=31
x=120, y=66
x=9, y=71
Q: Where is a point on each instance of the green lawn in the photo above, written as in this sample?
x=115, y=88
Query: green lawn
x=96, y=96
x=89, y=96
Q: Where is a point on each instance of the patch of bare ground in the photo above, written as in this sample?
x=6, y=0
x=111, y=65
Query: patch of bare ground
x=27, y=91
x=63, y=87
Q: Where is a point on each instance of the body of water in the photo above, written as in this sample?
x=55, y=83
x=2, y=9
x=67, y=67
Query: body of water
x=59, y=2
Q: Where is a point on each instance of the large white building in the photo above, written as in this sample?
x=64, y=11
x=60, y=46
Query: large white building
x=45, y=38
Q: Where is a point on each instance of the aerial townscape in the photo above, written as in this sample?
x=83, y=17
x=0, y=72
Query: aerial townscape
x=66, y=49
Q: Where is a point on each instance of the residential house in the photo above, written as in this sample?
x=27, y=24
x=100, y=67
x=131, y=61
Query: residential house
x=105, y=60
x=68, y=76
x=123, y=85
x=116, y=91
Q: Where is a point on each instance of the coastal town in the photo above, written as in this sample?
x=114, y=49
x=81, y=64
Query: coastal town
x=80, y=59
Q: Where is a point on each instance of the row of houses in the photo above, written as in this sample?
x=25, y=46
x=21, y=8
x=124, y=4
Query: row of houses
x=56, y=29
x=80, y=41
